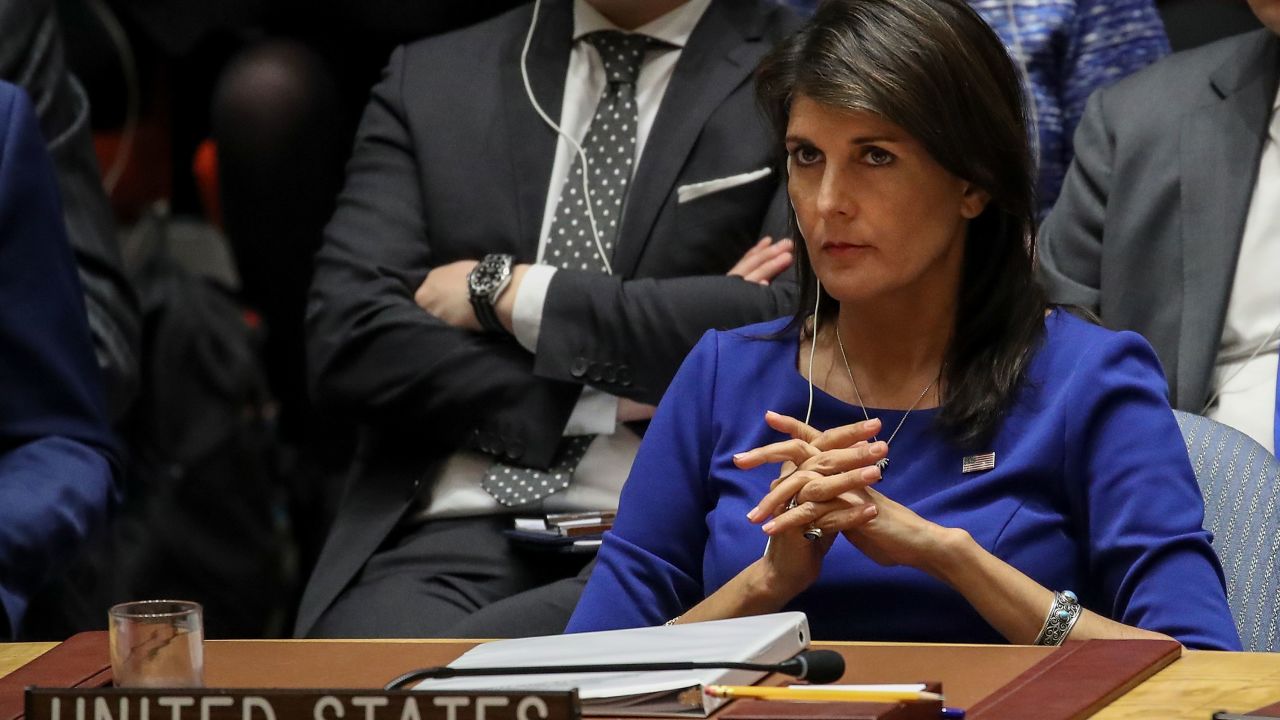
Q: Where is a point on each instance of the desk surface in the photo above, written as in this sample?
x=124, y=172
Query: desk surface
x=1193, y=687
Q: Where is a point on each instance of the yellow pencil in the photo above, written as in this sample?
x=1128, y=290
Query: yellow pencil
x=807, y=692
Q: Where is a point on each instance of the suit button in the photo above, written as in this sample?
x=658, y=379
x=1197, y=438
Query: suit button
x=515, y=449
x=594, y=372
x=610, y=373
x=624, y=375
x=579, y=367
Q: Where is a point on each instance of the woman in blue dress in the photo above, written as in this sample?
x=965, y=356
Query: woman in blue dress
x=1036, y=485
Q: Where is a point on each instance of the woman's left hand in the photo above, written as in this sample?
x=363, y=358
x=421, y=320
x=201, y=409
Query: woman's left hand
x=899, y=536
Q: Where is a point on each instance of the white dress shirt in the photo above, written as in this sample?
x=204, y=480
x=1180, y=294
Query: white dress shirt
x=599, y=477
x=1244, y=377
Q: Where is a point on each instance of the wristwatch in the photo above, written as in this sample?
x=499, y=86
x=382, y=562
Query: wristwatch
x=485, y=284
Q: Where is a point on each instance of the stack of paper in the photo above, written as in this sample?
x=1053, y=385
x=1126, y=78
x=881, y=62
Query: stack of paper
x=563, y=532
x=568, y=524
x=762, y=639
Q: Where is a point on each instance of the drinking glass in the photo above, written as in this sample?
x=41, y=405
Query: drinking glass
x=157, y=643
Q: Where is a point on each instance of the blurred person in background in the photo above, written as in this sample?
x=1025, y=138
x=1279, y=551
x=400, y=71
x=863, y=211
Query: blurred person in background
x=58, y=458
x=1169, y=222
x=31, y=55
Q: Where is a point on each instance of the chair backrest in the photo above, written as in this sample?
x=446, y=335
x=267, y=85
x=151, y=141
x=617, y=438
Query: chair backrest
x=1240, y=481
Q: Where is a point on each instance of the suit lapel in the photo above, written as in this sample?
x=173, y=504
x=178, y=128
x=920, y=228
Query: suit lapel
x=533, y=143
x=1220, y=145
x=721, y=53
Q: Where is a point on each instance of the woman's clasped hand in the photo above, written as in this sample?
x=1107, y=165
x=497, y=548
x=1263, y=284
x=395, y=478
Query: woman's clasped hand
x=825, y=482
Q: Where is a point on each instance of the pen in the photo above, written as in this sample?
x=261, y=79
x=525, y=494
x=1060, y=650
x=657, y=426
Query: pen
x=817, y=693
x=952, y=712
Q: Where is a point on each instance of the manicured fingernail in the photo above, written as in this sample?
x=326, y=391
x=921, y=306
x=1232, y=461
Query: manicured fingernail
x=768, y=527
x=870, y=512
x=755, y=514
x=739, y=456
x=879, y=448
x=873, y=424
x=871, y=474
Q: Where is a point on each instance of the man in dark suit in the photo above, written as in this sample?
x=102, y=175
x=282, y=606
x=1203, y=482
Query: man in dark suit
x=464, y=297
x=57, y=454
x=1169, y=222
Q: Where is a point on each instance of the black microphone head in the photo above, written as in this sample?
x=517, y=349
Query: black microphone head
x=820, y=666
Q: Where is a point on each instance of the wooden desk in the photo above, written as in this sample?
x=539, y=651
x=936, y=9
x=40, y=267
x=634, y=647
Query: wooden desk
x=1192, y=688
x=1200, y=683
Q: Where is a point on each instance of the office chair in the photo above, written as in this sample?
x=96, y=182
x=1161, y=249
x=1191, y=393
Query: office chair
x=1240, y=482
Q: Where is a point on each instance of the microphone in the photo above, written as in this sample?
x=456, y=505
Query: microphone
x=816, y=666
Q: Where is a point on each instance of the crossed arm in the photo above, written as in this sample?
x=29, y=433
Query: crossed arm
x=443, y=294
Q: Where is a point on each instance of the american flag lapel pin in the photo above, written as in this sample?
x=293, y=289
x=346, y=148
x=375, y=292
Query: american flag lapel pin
x=978, y=463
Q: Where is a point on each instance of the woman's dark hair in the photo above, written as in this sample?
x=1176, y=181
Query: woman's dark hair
x=934, y=68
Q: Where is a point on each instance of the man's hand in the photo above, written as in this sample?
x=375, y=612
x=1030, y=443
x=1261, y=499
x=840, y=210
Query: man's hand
x=444, y=294
x=764, y=261
x=631, y=410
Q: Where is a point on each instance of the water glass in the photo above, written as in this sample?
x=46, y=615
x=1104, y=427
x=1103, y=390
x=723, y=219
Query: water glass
x=157, y=643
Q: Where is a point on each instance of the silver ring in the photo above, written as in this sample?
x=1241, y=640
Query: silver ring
x=813, y=533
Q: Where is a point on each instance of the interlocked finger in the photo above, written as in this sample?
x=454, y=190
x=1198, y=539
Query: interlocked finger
x=784, y=488
x=837, y=437
x=825, y=488
x=835, y=516
x=794, y=450
x=829, y=462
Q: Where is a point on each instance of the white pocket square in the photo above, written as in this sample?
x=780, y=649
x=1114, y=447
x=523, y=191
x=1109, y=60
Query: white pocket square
x=693, y=191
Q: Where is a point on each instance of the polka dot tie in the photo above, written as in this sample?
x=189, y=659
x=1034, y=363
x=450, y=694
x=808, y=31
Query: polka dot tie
x=610, y=147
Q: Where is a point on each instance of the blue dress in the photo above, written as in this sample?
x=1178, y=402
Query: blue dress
x=1092, y=491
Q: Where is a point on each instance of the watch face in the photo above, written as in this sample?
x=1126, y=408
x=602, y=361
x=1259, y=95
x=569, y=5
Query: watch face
x=488, y=275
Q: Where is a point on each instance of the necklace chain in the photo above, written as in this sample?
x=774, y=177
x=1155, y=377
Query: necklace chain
x=883, y=462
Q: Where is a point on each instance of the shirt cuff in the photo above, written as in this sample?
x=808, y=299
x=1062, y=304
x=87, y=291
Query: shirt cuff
x=526, y=314
x=595, y=414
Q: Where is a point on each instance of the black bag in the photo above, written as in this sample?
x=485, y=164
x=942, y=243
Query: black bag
x=203, y=511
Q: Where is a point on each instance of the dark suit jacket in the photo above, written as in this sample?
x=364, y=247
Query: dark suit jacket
x=31, y=55
x=450, y=163
x=56, y=451
x=1148, y=227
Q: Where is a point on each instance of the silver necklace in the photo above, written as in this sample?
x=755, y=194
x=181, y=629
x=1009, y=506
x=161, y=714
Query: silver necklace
x=882, y=463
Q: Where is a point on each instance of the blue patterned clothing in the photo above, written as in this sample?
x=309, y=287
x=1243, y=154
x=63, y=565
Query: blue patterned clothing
x=1068, y=48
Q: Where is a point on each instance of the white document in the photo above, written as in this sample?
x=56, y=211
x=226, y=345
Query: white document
x=674, y=693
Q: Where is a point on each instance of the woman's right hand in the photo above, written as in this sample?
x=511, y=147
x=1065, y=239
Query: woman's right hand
x=790, y=563
x=810, y=458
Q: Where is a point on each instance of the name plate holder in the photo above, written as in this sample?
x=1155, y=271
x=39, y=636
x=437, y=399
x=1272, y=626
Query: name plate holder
x=280, y=704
